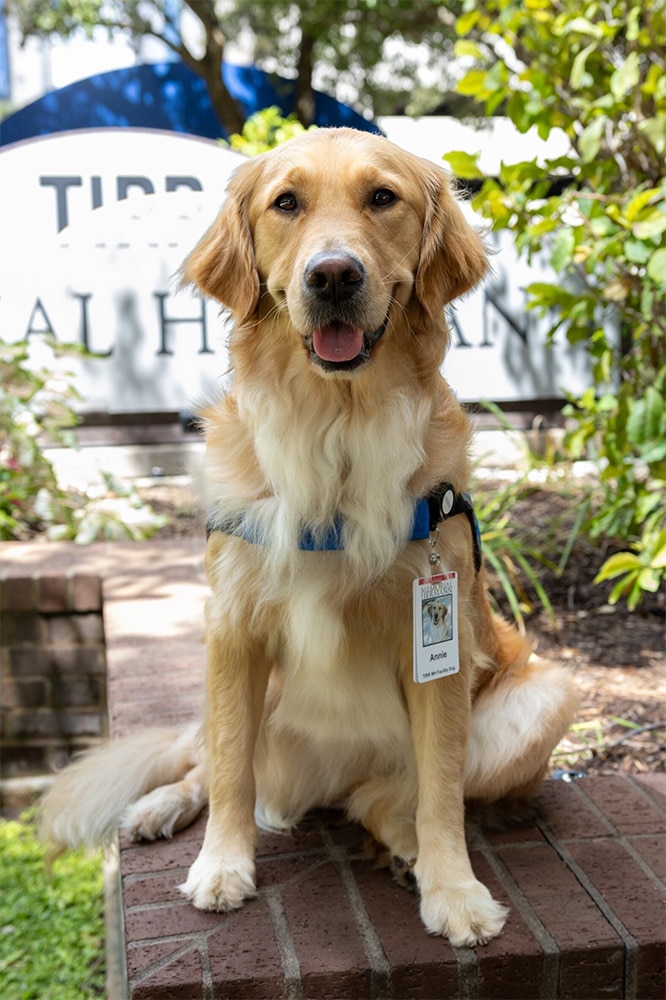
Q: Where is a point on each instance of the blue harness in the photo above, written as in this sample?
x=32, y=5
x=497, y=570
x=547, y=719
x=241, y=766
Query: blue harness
x=442, y=503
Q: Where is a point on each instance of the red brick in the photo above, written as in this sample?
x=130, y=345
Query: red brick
x=303, y=838
x=653, y=851
x=654, y=785
x=624, y=806
x=635, y=900
x=180, y=980
x=17, y=693
x=567, y=813
x=70, y=691
x=511, y=965
x=19, y=629
x=422, y=966
x=168, y=920
x=519, y=833
x=592, y=960
x=160, y=888
x=329, y=950
x=244, y=955
x=29, y=661
x=158, y=856
x=17, y=761
x=141, y=957
x=75, y=629
x=22, y=724
x=18, y=593
x=86, y=592
x=53, y=594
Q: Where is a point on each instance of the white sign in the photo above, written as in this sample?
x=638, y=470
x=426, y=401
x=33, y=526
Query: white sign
x=95, y=227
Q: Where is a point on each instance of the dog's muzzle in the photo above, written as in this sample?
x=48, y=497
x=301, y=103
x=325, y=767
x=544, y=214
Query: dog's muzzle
x=333, y=283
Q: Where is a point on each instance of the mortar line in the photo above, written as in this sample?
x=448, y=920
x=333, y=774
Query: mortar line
x=291, y=969
x=380, y=969
x=549, y=947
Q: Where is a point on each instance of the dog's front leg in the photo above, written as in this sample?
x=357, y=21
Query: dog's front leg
x=453, y=902
x=224, y=873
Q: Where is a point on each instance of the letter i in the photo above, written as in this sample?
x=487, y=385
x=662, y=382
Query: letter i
x=96, y=191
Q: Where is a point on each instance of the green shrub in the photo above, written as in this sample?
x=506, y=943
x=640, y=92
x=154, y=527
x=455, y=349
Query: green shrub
x=598, y=74
x=36, y=407
x=264, y=130
x=51, y=929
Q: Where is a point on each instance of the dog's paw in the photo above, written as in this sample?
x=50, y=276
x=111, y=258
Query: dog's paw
x=213, y=884
x=403, y=872
x=156, y=814
x=466, y=914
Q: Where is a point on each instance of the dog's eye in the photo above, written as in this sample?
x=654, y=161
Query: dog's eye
x=286, y=202
x=382, y=198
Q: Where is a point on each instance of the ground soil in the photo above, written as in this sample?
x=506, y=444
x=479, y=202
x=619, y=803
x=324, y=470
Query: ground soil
x=616, y=655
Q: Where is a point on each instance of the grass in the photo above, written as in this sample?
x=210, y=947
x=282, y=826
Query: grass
x=51, y=927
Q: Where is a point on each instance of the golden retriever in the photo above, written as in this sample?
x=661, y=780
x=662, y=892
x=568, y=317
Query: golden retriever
x=336, y=255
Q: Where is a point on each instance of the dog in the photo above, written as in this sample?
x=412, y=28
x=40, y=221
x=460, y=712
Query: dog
x=434, y=622
x=336, y=255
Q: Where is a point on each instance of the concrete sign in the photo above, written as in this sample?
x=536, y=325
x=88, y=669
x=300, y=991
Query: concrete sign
x=95, y=227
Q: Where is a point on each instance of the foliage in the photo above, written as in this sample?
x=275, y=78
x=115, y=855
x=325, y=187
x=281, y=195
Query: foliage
x=36, y=405
x=383, y=55
x=512, y=558
x=51, y=930
x=265, y=130
x=597, y=74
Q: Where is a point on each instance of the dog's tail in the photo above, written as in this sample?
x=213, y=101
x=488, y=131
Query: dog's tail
x=88, y=799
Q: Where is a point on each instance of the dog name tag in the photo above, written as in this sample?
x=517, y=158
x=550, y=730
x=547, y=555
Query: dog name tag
x=435, y=627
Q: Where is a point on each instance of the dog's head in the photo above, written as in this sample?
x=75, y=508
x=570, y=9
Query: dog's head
x=437, y=612
x=340, y=232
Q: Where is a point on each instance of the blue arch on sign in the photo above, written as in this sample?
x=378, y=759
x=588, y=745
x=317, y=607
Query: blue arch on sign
x=167, y=96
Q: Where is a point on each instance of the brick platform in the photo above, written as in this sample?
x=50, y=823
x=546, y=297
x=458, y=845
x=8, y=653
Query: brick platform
x=584, y=881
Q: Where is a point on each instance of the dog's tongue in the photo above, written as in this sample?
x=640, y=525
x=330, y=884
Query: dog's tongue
x=338, y=342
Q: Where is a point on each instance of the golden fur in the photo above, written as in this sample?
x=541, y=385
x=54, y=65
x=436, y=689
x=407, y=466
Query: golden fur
x=310, y=697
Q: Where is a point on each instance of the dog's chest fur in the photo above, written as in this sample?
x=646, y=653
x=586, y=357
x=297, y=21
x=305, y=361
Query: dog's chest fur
x=326, y=611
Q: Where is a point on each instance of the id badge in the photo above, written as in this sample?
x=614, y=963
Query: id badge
x=436, y=627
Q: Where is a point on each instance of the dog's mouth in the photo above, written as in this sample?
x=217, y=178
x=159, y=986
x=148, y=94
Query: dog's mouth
x=340, y=346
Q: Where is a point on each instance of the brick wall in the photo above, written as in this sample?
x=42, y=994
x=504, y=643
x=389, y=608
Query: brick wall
x=52, y=670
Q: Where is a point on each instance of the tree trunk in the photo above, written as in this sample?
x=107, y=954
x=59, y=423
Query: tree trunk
x=305, y=104
x=209, y=67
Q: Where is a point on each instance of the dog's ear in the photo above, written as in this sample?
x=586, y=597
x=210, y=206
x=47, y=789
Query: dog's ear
x=222, y=264
x=453, y=257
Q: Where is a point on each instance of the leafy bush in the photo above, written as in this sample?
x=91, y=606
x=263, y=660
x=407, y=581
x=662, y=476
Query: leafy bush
x=36, y=406
x=597, y=73
x=264, y=130
x=51, y=930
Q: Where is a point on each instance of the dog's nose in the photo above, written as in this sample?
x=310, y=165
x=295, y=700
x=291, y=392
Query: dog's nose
x=334, y=277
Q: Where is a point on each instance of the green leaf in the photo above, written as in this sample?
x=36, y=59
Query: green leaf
x=636, y=251
x=466, y=22
x=626, y=77
x=563, y=248
x=639, y=202
x=589, y=140
x=582, y=26
x=473, y=84
x=464, y=165
x=464, y=47
x=655, y=129
x=653, y=225
x=621, y=562
x=578, y=66
x=656, y=267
